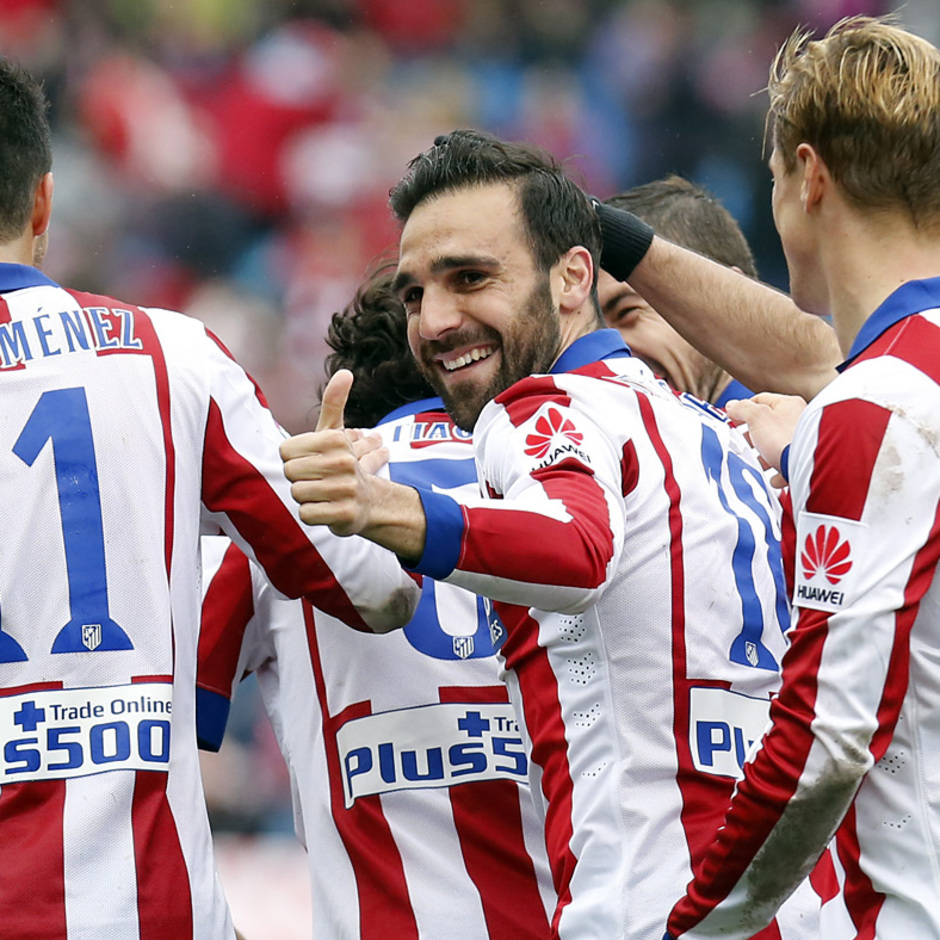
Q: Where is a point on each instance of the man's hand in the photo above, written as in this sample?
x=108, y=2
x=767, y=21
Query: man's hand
x=771, y=420
x=331, y=468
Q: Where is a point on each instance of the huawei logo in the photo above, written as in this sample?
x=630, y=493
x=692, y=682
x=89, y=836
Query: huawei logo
x=824, y=552
x=546, y=429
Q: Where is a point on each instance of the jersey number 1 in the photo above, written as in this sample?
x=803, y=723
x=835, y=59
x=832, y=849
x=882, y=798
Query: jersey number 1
x=61, y=416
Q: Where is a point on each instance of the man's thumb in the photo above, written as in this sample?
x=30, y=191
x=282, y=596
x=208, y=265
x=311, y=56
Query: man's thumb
x=333, y=401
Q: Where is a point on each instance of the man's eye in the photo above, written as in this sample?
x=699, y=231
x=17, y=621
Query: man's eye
x=624, y=315
x=411, y=297
x=471, y=277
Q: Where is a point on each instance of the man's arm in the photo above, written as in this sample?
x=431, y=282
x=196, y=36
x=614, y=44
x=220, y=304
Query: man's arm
x=245, y=493
x=548, y=543
x=846, y=673
x=751, y=330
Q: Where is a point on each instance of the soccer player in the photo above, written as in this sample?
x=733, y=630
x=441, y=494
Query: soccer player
x=854, y=748
x=627, y=534
x=123, y=432
x=408, y=769
x=690, y=216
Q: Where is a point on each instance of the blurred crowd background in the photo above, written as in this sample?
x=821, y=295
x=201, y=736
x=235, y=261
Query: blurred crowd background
x=232, y=159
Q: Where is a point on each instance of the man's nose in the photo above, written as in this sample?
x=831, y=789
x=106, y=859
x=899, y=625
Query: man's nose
x=440, y=313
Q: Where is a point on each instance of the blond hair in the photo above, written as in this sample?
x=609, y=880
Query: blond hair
x=866, y=97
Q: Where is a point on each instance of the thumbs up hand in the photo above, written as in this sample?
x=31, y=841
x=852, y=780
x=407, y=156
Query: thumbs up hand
x=333, y=401
x=331, y=468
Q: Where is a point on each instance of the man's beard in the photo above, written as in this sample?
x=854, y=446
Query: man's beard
x=529, y=344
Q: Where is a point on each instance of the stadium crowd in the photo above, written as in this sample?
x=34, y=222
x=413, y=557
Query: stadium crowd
x=232, y=158
x=234, y=162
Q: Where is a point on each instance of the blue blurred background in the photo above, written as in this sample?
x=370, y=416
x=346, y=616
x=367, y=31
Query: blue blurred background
x=232, y=159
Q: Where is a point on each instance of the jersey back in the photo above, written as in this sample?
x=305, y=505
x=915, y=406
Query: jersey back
x=408, y=768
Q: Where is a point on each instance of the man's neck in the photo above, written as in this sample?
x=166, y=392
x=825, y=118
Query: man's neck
x=19, y=251
x=872, y=263
x=575, y=326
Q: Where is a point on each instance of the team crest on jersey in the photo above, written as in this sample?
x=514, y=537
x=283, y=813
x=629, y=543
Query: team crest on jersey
x=554, y=438
x=463, y=646
x=751, y=652
x=91, y=635
x=824, y=572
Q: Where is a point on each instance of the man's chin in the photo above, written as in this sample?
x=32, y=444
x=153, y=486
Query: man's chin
x=464, y=413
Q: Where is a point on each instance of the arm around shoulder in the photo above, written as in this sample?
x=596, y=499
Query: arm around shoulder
x=753, y=331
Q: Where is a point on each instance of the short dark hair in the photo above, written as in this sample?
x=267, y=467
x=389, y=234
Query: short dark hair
x=556, y=213
x=25, y=146
x=691, y=217
x=369, y=337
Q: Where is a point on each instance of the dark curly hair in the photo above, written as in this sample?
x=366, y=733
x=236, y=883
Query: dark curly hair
x=369, y=338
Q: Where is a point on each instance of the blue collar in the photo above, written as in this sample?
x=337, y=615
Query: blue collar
x=413, y=408
x=910, y=298
x=17, y=276
x=601, y=344
x=733, y=390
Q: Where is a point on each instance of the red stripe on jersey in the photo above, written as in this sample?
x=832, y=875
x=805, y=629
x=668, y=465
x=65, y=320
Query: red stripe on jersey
x=542, y=708
x=496, y=861
x=151, y=345
x=496, y=857
x=32, y=860
x=913, y=340
x=897, y=677
x=233, y=485
x=524, y=399
x=861, y=899
x=770, y=932
x=677, y=598
x=859, y=425
x=164, y=899
x=536, y=549
x=227, y=607
x=258, y=393
x=824, y=879
x=384, y=905
x=629, y=468
x=5, y=316
x=703, y=795
x=769, y=782
x=31, y=687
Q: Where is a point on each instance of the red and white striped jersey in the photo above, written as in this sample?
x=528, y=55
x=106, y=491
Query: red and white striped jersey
x=632, y=546
x=123, y=433
x=856, y=730
x=408, y=770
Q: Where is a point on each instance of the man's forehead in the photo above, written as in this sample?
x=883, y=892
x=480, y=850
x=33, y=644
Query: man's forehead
x=479, y=220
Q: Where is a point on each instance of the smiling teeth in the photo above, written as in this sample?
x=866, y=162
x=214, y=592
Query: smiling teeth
x=466, y=359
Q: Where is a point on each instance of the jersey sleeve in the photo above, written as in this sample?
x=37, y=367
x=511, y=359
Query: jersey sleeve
x=232, y=643
x=554, y=532
x=865, y=487
x=246, y=494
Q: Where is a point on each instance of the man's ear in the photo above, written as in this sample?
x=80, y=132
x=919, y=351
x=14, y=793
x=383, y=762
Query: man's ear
x=816, y=177
x=42, y=206
x=575, y=276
